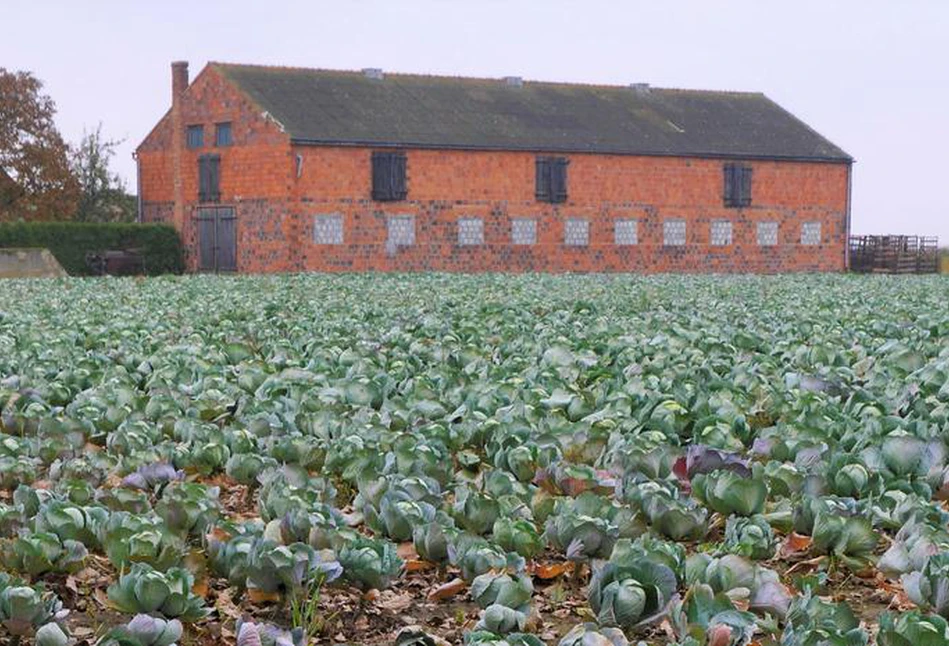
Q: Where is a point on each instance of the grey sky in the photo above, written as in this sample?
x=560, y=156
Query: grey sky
x=871, y=76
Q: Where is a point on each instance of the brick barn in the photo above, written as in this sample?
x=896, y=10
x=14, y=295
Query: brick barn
x=271, y=169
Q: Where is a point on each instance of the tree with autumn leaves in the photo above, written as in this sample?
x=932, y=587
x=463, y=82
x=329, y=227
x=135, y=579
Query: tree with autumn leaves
x=41, y=176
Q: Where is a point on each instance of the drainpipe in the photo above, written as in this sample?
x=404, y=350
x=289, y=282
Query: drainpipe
x=848, y=215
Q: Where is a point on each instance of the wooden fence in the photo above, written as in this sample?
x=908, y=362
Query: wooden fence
x=894, y=254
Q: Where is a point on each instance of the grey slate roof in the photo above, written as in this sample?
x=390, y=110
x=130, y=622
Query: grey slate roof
x=336, y=107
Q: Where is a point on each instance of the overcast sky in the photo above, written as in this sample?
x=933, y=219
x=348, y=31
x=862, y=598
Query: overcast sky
x=870, y=75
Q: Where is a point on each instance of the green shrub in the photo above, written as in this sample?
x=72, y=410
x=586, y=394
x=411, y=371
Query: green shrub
x=159, y=244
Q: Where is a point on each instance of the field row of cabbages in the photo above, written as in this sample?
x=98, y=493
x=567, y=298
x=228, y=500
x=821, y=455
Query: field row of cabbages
x=422, y=460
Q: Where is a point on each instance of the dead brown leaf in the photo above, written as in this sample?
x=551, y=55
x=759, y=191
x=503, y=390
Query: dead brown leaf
x=406, y=551
x=259, y=596
x=225, y=605
x=551, y=570
x=101, y=598
x=417, y=565
x=795, y=544
x=394, y=601
x=447, y=590
x=200, y=587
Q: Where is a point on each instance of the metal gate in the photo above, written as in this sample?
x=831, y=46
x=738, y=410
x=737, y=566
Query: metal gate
x=217, y=239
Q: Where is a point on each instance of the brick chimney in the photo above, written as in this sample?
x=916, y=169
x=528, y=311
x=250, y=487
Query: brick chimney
x=179, y=79
x=179, y=83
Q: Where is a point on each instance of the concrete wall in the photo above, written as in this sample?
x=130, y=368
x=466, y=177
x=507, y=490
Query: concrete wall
x=29, y=263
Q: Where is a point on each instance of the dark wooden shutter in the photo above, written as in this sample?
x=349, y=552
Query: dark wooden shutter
x=375, y=180
x=380, y=176
x=398, y=165
x=203, y=179
x=389, y=176
x=214, y=178
x=542, y=189
x=745, y=193
x=729, y=191
x=558, y=189
x=386, y=174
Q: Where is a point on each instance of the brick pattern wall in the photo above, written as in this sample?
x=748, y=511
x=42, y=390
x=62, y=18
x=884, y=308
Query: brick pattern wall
x=445, y=187
x=256, y=172
x=279, y=191
x=154, y=212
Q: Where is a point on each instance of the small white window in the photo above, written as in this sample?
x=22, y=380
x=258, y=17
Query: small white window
x=626, y=232
x=767, y=234
x=470, y=231
x=673, y=233
x=576, y=232
x=810, y=233
x=721, y=233
x=523, y=231
x=401, y=229
x=328, y=229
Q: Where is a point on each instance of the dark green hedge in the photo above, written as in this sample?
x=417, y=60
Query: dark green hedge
x=159, y=244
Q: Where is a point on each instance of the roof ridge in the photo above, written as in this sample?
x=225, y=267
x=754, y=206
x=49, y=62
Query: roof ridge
x=343, y=107
x=493, y=79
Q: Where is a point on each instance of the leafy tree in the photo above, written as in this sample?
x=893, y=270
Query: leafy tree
x=103, y=197
x=36, y=181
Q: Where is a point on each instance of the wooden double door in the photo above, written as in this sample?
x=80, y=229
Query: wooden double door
x=217, y=239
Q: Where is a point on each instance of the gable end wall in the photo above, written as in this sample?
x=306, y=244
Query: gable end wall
x=255, y=172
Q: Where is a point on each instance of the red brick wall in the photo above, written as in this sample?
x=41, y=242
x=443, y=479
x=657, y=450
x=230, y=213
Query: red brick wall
x=446, y=185
x=275, y=205
x=255, y=173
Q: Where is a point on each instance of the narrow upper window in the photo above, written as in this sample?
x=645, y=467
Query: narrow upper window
x=523, y=231
x=576, y=232
x=767, y=234
x=470, y=231
x=209, y=178
x=673, y=233
x=721, y=233
x=810, y=233
x=737, y=185
x=626, y=232
x=388, y=176
x=328, y=229
x=195, y=136
x=222, y=134
x=551, y=179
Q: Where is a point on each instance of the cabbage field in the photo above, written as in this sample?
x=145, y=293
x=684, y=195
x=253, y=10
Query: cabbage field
x=483, y=460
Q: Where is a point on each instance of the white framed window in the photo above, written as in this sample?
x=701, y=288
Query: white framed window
x=523, y=231
x=470, y=231
x=767, y=234
x=721, y=233
x=673, y=232
x=810, y=233
x=328, y=229
x=626, y=232
x=401, y=230
x=576, y=232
